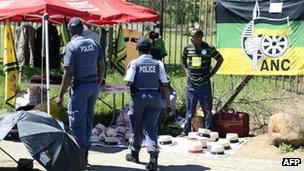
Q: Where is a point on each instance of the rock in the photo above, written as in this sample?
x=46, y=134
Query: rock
x=96, y=132
x=196, y=123
x=111, y=132
x=286, y=128
x=100, y=127
x=197, y=120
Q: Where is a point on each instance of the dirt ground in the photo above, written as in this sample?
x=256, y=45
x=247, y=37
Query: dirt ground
x=257, y=148
x=260, y=147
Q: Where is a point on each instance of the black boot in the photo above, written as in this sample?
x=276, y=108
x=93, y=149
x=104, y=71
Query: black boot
x=133, y=157
x=152, y=165
x=86, y=155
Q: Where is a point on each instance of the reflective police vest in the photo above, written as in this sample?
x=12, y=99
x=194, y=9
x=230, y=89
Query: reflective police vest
x=147, y=75
x=86, y=57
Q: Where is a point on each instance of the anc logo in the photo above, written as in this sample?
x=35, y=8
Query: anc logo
x=265, y=37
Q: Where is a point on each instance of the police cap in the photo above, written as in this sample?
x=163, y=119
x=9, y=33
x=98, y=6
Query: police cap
x=143, y=42
x=197, y=33
x=74, y=22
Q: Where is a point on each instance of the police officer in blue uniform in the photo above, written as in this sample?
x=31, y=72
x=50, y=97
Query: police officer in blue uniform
x=145, y=76
x=83, y=67
x=197, y=64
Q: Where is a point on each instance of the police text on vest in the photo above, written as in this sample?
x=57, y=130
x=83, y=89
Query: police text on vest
x=87, y=48
x=147, y=69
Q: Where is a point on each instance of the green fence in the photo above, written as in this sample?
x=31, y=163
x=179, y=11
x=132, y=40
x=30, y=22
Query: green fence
x=178, y=17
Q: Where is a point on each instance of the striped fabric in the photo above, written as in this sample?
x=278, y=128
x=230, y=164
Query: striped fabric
x=199, y=62
x=119, y=54
x=11, y=68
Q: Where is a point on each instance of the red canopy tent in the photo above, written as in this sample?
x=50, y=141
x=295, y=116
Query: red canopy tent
x=99, y=12
x=93, y=11
x=19, y=10
x=120, y=11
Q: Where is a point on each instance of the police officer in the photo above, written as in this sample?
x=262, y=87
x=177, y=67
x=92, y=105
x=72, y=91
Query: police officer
x=145, y=76
x=84, y=67
x=197, y=64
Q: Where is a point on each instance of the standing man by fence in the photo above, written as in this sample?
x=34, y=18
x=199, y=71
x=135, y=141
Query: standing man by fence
x=145, y=76
x=84, y=63
x=197, y=63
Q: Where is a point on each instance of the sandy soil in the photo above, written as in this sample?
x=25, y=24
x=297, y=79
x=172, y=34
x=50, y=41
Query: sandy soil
x=260, y=147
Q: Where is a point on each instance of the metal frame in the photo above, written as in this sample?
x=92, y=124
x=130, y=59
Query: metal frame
x=19, y=164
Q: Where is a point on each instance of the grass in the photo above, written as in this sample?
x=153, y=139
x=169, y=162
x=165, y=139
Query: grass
x=261, y=97
x=301, y=148
x=286, y=148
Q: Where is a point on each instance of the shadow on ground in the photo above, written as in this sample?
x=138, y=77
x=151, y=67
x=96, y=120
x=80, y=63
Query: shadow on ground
x=165, y=168
x=106, y=149
x=14, y=169
x=183, y=167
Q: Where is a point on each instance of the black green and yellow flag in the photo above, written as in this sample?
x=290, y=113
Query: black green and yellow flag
x=279, y=27
x=260, y=37
x=11, y=69
x=119, y=54
x=103, y=38
x=65, y=37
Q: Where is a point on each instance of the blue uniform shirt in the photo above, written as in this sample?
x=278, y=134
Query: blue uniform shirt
x=83, y=54
x=131, y=72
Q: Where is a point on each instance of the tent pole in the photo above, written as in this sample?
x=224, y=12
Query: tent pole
x=8, y=155
x=42, y=62
x=161, y=18
x=46, y=31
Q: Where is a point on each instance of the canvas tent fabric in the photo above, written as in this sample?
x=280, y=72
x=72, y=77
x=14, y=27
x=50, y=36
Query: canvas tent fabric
x=93, y=11
x=120, y=11
x=49, y=141
x=254, y=41
x=17, y=10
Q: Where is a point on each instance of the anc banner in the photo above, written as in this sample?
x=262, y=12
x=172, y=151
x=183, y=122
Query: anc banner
x=119, y=54
x=11, y=69
x=254, y=39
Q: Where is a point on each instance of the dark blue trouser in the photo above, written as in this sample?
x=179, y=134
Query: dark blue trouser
x=81, y=107
x=204, y=96
x=143, y=113
x=162, y=113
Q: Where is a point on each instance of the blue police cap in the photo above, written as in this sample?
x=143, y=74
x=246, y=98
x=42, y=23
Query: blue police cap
x=74, y=22
x=143, y=42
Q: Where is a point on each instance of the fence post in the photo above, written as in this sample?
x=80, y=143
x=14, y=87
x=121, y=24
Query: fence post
x=161, y=19
x=213, y=24
x=236, y=91
x=110, y=44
